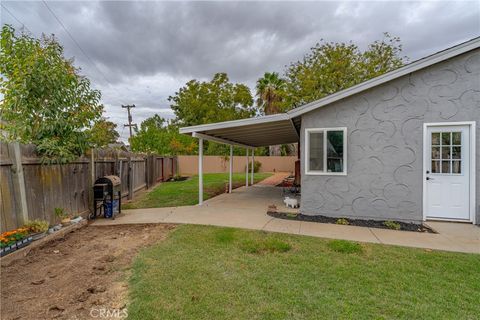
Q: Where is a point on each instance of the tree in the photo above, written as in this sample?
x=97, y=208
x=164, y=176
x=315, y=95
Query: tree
x=103, y=133
x=45, y=100
x=213, y=101
x=270, y=93
x=270, y=96
x=331, y=67
x=158, y=136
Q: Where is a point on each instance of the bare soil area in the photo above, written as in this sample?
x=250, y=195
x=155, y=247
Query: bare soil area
x=78, y=276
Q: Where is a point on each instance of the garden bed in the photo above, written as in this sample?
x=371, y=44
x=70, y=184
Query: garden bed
x=74, y=271
x=382, y=224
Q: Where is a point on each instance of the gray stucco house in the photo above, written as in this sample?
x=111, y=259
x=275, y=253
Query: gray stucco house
x=403, y=146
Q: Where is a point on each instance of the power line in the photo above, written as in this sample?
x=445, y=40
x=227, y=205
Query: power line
x=13, y=16
x=75, y=41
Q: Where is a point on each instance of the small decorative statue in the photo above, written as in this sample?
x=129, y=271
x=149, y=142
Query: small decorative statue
x=291, y=202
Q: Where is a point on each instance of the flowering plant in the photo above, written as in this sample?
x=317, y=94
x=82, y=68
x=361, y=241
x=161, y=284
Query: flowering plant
x=35, y=226
x=10, y=237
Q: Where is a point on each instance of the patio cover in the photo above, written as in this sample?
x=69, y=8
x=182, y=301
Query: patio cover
x=249, y=133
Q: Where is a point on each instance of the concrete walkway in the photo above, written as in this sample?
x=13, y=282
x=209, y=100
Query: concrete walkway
x=274, y=180
x=246, y=208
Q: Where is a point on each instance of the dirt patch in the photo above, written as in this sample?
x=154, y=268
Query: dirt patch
x=66, y=278
x=381, y=224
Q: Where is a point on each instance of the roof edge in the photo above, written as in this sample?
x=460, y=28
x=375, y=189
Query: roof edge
x=392, y=75
x=235, y=123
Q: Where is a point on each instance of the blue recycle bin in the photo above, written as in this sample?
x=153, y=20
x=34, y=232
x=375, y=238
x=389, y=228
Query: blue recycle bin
x=111, y=208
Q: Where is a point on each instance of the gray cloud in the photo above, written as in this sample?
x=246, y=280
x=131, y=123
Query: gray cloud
x=147, y=50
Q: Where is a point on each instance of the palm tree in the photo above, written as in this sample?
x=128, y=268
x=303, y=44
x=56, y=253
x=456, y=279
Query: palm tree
x=270, y=89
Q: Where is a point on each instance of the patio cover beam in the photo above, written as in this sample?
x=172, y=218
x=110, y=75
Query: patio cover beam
x=219, y=140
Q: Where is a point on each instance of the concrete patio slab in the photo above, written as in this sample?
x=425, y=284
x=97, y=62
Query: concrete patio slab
x=136, y=216
x=275, y=179
x=246, y=208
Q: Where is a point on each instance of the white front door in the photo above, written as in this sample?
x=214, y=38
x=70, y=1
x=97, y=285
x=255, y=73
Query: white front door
x=447, y=154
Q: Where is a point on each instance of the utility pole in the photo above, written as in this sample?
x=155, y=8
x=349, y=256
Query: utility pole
x=130, y=124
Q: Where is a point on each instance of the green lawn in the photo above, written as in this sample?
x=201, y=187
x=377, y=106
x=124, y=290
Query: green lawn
x=204, y=272
x=184, y=193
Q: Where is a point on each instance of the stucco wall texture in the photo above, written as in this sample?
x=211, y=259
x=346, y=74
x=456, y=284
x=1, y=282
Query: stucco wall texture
x=385, y=141
x=188, y=165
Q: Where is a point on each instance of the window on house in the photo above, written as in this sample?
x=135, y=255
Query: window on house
x=325, y=151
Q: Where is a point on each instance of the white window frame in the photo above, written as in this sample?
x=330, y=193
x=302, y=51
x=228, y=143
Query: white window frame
x=307, y=152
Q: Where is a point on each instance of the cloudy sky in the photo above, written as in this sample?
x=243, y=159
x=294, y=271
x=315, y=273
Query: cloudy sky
x=142, y=52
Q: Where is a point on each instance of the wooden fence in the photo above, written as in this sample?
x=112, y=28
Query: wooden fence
x=30, y=190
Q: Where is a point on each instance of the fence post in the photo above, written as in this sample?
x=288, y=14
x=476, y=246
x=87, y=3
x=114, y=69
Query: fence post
x=130, y=178
x=91, y=178
x=116, y=166
x=176, y=165
x=163, y=175
x=146, y=172
x=19, y=183
x=149, y=170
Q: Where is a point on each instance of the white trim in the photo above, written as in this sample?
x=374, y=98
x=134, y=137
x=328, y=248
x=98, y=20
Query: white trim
x=307, y=152
x=472, y=178
x=409, y=68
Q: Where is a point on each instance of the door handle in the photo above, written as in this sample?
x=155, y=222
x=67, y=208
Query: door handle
x=428, y=178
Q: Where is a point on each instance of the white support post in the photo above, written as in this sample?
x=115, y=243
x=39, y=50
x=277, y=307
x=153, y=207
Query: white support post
x=246, y=170
x=200, y=171
x=253, y=167
x=230, y=170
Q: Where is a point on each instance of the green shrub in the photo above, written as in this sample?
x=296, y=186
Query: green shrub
x=392, y=225
x=256, y=167
x=60, y=213
x=344, y=246
x=342, y=221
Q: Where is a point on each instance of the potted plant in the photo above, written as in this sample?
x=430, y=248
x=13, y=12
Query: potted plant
x=13, y=240
x=62, y=216
x=38, y=228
